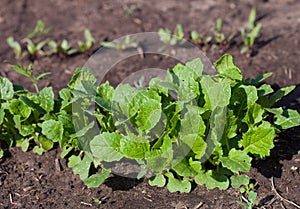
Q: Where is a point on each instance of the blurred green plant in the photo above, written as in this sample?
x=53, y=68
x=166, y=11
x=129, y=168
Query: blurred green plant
x=168, y=37
x=251, y=33
x=120, y=44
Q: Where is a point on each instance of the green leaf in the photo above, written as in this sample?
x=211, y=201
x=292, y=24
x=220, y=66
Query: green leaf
x=215, y=94
x=46, y=144
x=227, y=68
x=174, y=185
x=26, y=130
x=122, y=98
x=192, y=130
x=96, y=180
x=264, y=90
x=184, y=169
x=6, y=89
x=53, y=130
x=236, y=161
x=80, y=166
x=157, y=180
x=136, y=143
x=38, y=150
x=188, y=90
x=65, y=151
x=280, y=93
x=18, y=107
x=252, y=196
x=25, y=145
x=260, y=78
x=81, y=74
x=15, y=45
x=288, y=119
x=254, y=114
x=160, y=159
x=46, y=99
x=21, y=70
x=2, y=114
x=148, y=105
x=238, y=180
x=212, y=180
x=259, y=140
x=1, y=153
x=106, y=146
x=245, y=96
x=195, y=65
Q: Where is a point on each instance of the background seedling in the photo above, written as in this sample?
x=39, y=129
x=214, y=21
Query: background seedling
x=34, y=49
x=251, y=33
x=248, y=196
x=89, y=41
x=120, y=44
x=218, y=35
x=197, y=39
x=28, y=72
x=39, y=29
x=15, y=45
x=65, y=48
x=167, y=37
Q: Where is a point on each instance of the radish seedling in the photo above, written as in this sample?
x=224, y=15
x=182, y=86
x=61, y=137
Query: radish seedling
x=34, y=49
x=197, y=39
x=62, y=48
x=15, y=45
x=127, y=43
x=250, y=34
x=167, y=37
x=89, y=41
x=39, y=29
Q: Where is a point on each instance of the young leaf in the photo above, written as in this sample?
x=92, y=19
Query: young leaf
x=157, y=180
x=96, y=180
x=40, y=29
x=15, y=45
x=238, y=180
x=18, y=107
x=136, y=143
x=264, y=90
x=25, y=145
x=6, y=89
x=184, y=169
x=192, y=131
x=212, y=180
x=2, y=114
x=46, y=99
x=174, y=185
x=46, y=144
x=21, y=70
x=106, y=146
x=80, y=166
x=236, y=161
x=53, y=130
x=215, y=94
x=260, y=78
x=227, y=68
x=259, y=140
x=280, y=93
x=288, y=119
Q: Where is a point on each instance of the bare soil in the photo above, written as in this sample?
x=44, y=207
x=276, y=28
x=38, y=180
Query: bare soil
x=31, y=181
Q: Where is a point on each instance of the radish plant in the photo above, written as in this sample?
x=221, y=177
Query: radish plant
x=251, y=33
x=123, y=125
x=168, y=37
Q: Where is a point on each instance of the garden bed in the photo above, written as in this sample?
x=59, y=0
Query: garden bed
x=31, y=181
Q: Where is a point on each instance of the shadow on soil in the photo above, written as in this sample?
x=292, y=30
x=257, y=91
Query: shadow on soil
x=287, y=144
